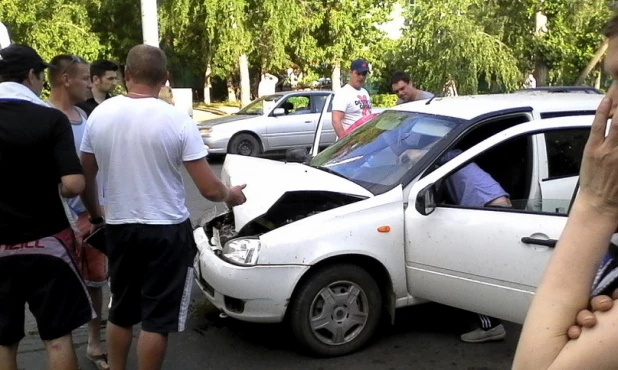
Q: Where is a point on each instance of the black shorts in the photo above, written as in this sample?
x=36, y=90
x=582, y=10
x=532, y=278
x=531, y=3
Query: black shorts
x=43, y=274
x=150, y=272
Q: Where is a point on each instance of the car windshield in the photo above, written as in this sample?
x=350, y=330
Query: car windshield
x=378, y=154
x=261, y=105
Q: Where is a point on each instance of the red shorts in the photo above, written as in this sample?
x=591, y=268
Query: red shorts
x=92, y=263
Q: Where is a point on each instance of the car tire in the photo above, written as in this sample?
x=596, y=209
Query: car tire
x=324, y=321
x=245, y=144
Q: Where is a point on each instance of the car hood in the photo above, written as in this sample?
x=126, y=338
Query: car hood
x=268, y=180
x=226, y=119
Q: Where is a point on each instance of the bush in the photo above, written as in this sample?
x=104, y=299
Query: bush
x=384, y=100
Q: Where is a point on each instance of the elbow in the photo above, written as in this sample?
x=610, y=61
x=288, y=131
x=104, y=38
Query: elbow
x=73, y=186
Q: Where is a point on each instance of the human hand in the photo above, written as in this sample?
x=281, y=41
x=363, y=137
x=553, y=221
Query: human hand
x=95, y=227
x=598, y=176
x=586, y=318
x=235, y=196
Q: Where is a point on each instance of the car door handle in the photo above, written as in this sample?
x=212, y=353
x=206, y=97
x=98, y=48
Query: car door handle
x=308, y=121
x=551, y=243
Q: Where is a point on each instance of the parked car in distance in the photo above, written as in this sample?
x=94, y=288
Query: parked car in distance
x=272, y=123
x=330, y=244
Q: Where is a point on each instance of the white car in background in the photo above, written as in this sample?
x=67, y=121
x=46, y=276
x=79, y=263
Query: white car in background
x=330, y=244
x=272, y=123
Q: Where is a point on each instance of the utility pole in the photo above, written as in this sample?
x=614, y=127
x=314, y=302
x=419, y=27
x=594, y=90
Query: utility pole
x=150, y=22
x=5, y=40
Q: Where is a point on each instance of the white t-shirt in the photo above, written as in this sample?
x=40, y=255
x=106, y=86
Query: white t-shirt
x=139, y=145
x=354, y=103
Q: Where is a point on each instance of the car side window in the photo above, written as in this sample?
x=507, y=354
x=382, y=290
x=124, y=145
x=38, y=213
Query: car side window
x=564, y=152
x=320, y=100
x=297, y=105
x=502, y=178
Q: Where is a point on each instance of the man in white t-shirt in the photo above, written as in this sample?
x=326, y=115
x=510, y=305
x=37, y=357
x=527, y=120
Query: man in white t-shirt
x=139, y=142
x=352, y=102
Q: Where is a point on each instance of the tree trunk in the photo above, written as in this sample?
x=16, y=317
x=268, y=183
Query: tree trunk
x=336, y=77
x=593, y=62
x=597, y=81
x=245, y=84
x=231, y=94
x=541, y=72
x=207, y=85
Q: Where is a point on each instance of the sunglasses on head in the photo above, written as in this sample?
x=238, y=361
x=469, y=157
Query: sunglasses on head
x=74, y=59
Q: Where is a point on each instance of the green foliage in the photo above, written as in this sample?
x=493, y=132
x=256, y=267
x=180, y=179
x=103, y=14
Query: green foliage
x=299, y=102
x=447, y=41
x=484, y=45
x=384, y=100
x=51, y=28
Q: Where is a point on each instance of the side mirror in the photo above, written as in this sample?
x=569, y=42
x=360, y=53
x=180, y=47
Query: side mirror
x=279, y=112
x=297, y=155
x=425, y=201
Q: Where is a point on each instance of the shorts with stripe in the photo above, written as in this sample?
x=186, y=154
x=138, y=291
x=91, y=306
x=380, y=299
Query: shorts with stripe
x=151, y=272
x=43, y=274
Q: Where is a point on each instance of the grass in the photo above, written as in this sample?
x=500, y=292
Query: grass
x=216, y=105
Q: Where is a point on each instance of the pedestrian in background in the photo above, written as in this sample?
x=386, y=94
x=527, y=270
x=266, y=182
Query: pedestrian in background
x=352, y=102
x=38, y=164
x=104, y=76
x=70, y=84
x=139, y=142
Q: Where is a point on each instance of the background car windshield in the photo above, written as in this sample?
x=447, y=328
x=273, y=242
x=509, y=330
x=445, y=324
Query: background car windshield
x=378, y=154
x=258, y=107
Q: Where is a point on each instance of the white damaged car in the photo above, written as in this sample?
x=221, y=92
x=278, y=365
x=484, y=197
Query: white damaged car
x=369, y=225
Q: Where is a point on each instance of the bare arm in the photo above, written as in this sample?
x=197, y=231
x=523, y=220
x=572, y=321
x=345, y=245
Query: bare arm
x=67, y=163
x=565, y=288
x=90, y=195
x=338, y=123
x=71, y=185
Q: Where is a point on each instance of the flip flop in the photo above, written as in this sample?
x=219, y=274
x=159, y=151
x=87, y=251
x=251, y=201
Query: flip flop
x=100, y=361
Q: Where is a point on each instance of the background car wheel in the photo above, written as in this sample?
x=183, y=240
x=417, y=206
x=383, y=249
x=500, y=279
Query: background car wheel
x=245, y=144
x=336, y=310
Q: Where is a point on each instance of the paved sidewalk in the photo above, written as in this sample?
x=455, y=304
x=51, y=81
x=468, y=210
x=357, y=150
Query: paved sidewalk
x=32, y=350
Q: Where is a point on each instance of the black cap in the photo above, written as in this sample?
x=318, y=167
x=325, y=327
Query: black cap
x=17, y=58
x=360, y=65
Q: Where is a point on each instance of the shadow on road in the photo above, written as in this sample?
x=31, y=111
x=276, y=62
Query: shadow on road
x=425, y=320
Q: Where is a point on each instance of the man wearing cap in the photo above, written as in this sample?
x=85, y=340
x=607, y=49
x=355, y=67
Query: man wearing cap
x=352, y=102
x=39, y=164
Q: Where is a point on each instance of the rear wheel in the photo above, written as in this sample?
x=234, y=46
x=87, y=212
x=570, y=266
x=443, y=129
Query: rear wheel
x=336, y=311
x=245, y=144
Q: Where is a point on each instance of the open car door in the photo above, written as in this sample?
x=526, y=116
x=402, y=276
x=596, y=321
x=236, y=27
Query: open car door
x=483, y=259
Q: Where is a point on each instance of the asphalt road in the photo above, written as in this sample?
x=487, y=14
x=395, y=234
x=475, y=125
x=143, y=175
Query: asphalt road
x=424, y=337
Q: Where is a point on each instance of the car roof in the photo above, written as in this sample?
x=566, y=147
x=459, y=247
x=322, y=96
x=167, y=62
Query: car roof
x=302, y=92
x=469, y=107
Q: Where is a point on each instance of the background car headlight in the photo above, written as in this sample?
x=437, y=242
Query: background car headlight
x=242, y=251
x=205, y=131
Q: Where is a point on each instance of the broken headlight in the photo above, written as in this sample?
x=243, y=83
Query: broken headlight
x=242, y=251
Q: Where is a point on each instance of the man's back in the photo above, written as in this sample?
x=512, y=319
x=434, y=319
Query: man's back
x=30, y=151
x=139, y=145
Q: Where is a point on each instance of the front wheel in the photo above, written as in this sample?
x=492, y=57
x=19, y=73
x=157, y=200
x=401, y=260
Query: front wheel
x=336, y=310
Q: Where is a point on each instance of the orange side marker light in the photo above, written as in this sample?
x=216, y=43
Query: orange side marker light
x=384, y=229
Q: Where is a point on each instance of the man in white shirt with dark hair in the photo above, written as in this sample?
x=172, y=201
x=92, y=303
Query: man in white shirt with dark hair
x=352, y=102
x=139, y=142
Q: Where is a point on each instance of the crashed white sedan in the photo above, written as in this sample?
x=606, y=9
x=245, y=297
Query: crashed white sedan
x=369, y=224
